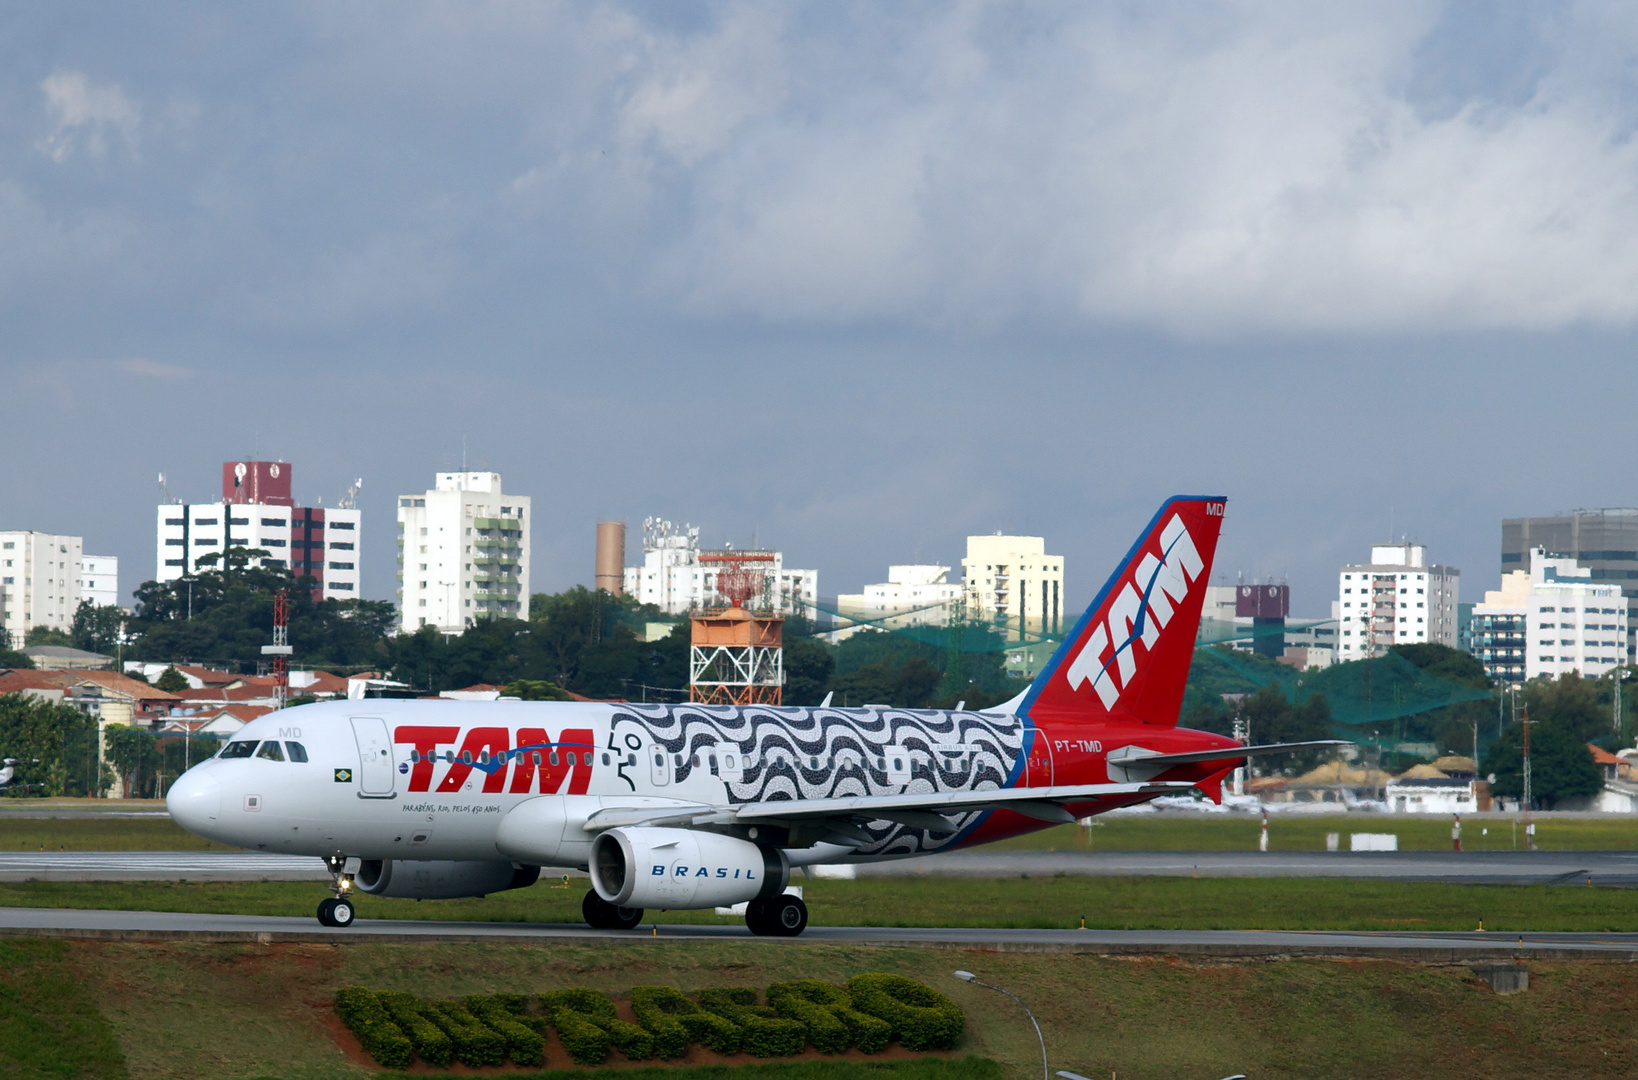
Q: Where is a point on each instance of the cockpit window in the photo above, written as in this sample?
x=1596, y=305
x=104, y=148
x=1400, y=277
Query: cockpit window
x=298, y=752
x=239, y=748
x=270, y=750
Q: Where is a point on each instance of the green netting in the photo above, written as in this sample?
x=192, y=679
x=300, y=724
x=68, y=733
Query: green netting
x=963, y=635
x=1360, y=693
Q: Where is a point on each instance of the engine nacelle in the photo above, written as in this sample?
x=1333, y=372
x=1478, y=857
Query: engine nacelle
x=681, y=868
x=421, y=879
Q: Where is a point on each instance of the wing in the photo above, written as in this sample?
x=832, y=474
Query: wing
x=924, y=810
x=1131, y=755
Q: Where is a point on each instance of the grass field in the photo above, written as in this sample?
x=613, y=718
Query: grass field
x=1142, y=903
x=1148, y=832
x=1306, y=832
x=202, y=1012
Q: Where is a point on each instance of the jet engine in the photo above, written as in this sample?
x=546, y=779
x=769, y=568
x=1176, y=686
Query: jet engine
x=680, y=868
x=414, y=879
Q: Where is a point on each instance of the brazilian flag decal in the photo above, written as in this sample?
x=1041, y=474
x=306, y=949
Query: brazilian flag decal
x=344, y=776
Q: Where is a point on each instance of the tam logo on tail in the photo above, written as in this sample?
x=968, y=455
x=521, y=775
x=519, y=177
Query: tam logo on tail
x=1130, y=652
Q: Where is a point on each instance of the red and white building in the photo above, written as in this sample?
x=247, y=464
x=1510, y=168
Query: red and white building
x=257, y=511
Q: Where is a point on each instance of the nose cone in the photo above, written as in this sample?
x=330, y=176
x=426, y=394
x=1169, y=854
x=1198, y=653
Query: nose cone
x=195, y=801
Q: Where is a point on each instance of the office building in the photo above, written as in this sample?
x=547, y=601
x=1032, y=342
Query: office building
x=39, y=582
x=1011, y=582
x=257, y=511
x=675, y=579
x=99, y=579
x=463, y=553
x=1549, y=620
x=1397, y=598
x=1602, y=542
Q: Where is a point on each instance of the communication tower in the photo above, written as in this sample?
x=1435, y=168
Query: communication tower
x=735, y=657
x=280, y=649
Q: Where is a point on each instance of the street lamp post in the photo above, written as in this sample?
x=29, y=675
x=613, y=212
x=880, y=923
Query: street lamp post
x=967, y=976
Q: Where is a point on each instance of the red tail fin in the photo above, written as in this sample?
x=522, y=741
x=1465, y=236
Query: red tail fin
x=1129, y=656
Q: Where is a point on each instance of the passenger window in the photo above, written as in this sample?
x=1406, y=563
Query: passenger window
x=534, y=757
x=694, y=762
x=239, y=749
x=298, y=752
x=270, y=751
x=466, y=757
x=415, y=755
x=449, y=757
x=586, y=757
x=605, y=758
x=552, y=757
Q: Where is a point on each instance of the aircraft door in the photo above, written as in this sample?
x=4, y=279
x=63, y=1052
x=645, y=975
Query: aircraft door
x=375, y=775
x=1038, y=766
x=659, y=765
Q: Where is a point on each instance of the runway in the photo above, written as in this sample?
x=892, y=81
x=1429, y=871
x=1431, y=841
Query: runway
x=1434, y=947
x=1615, y=868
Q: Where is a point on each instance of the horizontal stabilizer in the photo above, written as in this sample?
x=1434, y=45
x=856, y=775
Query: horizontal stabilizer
x=1227, y=753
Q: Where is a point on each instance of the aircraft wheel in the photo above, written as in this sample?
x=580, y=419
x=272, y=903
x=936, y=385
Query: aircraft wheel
x=756, y=918
x=602, y=915
x=326, y=912
x=341, y=913
x=787, y=916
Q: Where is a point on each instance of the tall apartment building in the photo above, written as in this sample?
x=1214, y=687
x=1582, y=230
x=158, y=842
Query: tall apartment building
x=257, y=511
x=911, y=596
x=99, y=579
x=1012, y=582
x=1602, y=542
x=39, y=581
x=463, y=553
x=1397, y=598
x=674, y=579
x=1549, y=620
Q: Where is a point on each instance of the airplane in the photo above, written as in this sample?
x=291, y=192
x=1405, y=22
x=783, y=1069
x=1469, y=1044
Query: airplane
x=691, y=806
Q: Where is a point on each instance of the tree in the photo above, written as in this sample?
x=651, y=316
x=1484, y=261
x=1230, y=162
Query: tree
x=11, y=658
x=536, y=690
x=1583, y=706
x=809, y=665
x=55, y=744
x=172, y=681
x=132, y=754
x=98, y=628
x=1561, y=766
x=45, y=635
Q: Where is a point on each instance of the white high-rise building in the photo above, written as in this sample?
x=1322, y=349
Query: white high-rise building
x=674, y=579
x=911, y=596
x=463, y=553
x=1395, y=599
x=99, y=579
x=1550, y=620
x=1012, y=582
x=257, y=511
x=40, y=580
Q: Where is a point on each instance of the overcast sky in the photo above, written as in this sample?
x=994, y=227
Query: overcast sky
x=854, y=279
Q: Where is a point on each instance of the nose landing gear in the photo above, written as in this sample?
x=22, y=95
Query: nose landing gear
x=338, y=909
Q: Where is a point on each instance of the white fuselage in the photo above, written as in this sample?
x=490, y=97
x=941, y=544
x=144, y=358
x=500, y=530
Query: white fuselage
x=434, y=780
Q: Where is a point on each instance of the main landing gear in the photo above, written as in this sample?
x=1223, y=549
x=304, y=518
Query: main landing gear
x=602, y=915
x=338, y=909
x=778, y=916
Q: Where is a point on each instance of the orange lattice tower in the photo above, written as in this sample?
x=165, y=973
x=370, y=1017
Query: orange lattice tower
x=737, y=658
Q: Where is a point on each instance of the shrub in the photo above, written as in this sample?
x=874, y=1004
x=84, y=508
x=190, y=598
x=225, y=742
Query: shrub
x=766, y=1033
x=524, y=1045
x=429, y=1040
x=827, y=1011
x=475, y=1043
x=664, y=1009
x=586, y=1024
x=361, y=1010
x=922, y=1018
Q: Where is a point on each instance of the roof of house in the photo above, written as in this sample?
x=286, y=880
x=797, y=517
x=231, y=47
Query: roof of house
x=14, y=679
x=114, y=682
x=323, y=682
x=226, y=693
x=1422, y=772
x=1604, y=757
x=1455, y=763
x=64, y=652
x=208, y=676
